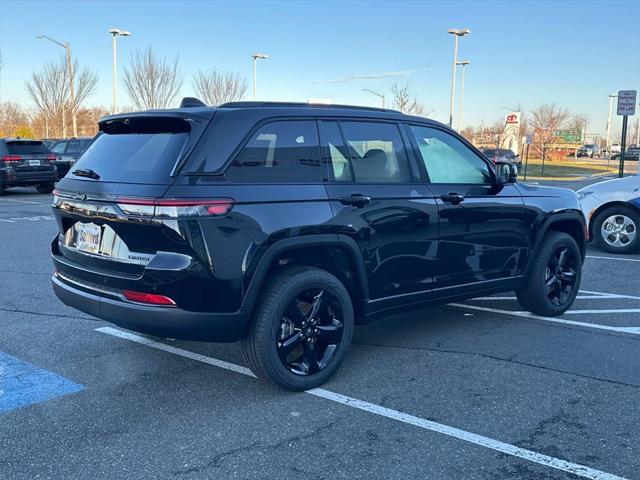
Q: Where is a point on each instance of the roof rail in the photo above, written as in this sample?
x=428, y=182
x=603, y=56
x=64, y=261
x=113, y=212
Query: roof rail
x=191, y=102
x=300, y=104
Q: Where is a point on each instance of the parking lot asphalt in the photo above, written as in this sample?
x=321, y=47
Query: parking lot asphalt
x=475, y=390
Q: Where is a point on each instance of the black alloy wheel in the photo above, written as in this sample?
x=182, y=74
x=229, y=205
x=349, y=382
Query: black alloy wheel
x=554, y=276
x=310, y=332
x=561, y=274
x=301, y=328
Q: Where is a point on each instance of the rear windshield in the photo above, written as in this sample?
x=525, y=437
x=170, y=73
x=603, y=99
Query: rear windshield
x=27, y=148
x=130, y=153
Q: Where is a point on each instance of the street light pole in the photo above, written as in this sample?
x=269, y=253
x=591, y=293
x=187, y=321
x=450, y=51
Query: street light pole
x=611, y=97
x=255, y=57
x=462, y=63
x=456, y=33
x=115, y=32
x=72, y=96
x=381, y=95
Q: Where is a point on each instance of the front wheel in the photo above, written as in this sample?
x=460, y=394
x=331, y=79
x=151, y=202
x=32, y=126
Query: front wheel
x=616, y=230
x=554, y=277
x=301, y=328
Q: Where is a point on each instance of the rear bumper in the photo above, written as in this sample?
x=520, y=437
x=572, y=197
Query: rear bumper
x=29, y=178
x=168, y=322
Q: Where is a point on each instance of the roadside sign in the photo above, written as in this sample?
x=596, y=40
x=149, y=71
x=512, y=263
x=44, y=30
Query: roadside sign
x=526, y=140
x=627, y=102
x=568, y=136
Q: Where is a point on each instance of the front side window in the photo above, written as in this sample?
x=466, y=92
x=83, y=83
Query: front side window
x=447, y=159
x=280, y=152
x=58, y=147
x=377, y=152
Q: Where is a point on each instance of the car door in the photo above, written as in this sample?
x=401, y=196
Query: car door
x=481, y=224
x=378, y=200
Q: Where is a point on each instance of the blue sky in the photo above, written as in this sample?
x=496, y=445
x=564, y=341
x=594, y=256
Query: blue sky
x=529, y=53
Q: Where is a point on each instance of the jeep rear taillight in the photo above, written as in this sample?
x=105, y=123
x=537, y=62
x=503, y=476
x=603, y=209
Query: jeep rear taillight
x=174, y=207
x=12, y=159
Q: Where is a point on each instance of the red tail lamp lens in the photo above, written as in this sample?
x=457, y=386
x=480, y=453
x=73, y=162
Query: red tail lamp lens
x=150, y=298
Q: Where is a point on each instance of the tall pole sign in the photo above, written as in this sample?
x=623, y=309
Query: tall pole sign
x=626, y=107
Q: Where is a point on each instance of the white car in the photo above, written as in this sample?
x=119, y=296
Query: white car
x=612, y=210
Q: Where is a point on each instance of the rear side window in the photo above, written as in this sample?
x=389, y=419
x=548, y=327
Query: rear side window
x=74, y=146
x=27, y=148
x=285, y=151
x=377, y=152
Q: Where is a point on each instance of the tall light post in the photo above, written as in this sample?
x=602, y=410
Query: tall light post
x=456, y=33
x=255, y=57
x=381, y=95
x=463, y=64
x=611, y=97
x=115, y=32
x=71, y=90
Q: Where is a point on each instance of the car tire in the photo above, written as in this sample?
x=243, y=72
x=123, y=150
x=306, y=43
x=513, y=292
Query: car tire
x=274, y=322
x=629, y=217
x=45, y=188
x=550, y=292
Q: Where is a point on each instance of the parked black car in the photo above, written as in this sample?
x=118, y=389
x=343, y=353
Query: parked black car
x=68, y=151
x=501, y=155
x=283, y=225
x=632, y=153
x=26, y=163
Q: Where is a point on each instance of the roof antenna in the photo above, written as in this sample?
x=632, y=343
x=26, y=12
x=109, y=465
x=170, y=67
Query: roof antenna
x=190, y=102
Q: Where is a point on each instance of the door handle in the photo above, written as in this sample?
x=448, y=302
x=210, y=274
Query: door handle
x=355, y=199
x=452, y=198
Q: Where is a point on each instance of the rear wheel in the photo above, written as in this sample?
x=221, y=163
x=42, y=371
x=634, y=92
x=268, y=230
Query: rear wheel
x=45, y=188
x=554, y=278
x=301, y=329
x=616, y=230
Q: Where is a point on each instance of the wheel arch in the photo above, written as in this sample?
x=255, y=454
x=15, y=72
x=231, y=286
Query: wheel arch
x=337, y=254
x=572, y=223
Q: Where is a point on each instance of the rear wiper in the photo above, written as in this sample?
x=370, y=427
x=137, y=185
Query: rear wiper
x=86, y=173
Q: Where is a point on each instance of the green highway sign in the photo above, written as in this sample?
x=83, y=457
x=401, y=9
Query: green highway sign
x=568, y=136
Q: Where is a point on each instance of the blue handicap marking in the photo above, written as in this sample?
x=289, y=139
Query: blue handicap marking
x=24, y=384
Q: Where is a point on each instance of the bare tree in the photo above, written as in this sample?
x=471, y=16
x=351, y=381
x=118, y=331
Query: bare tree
x=12, y=117
x=404, y=100
x=151, y=81
x=216, y=88
x=49, y=90
x=545, y=121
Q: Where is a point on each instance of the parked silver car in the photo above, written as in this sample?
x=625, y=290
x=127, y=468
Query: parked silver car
x=612, y=210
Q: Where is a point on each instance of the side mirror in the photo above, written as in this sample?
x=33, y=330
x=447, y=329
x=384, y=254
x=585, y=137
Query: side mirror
x=506, y=173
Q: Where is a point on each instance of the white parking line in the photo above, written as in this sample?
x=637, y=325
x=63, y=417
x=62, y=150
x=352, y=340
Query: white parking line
x=614, y=258
x=611, y=295
x=590, y=295
x=605, y=310
x=36, y=218
x=25, y=201
x=552, y=462
x=578, y=297
x=630, y=330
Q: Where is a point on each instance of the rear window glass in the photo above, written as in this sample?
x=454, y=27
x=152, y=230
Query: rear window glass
x=133, y=157
x=27, y=148
x=280, y=152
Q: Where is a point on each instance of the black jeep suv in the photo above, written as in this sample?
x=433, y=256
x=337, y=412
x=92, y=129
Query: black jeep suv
x=26, y=163
x=283, y=225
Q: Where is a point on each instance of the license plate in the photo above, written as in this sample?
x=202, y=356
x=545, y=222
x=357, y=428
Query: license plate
x=88, y=237
x=34, y=163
